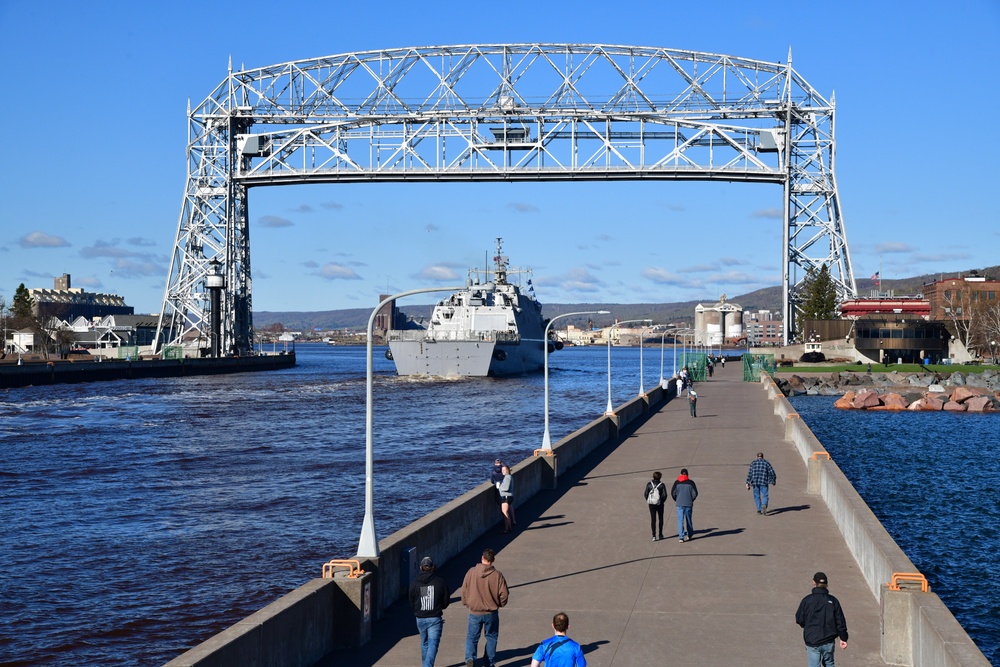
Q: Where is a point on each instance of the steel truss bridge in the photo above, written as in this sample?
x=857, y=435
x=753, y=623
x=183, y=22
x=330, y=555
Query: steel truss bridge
x=498, y=112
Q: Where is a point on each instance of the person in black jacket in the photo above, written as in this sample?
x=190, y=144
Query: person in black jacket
x=429, y=598
x=656, y=503
x=822, y=622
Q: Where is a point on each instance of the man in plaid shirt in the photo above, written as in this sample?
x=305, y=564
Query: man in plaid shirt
x=758, y=477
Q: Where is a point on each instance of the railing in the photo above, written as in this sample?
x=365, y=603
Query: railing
x=754, y=364
x=422, y=335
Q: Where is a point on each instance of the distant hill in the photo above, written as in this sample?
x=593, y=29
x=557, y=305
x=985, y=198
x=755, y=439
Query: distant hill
x=768, y=298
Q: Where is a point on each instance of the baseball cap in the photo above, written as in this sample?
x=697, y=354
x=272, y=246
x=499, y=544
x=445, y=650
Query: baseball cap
x=820, y=578
x=426, y=563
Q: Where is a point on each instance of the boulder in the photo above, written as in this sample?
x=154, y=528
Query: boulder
x=952, y=406
x=964, y=393
x=796, y=386
x=866, y=399
x=845, y=402
x=979, y=404
x=956, y=379
x=926, y=405
x=893, y=401
x=935, y=388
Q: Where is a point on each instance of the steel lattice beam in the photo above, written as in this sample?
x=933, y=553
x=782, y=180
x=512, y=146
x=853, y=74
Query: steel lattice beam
x=507, y=112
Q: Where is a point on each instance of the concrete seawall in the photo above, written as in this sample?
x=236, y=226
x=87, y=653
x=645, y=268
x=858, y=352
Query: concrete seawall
x=917, y=628
x=326, y=614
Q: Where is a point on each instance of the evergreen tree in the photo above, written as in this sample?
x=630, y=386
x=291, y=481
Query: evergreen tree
x=819, y=295
x=23, y=303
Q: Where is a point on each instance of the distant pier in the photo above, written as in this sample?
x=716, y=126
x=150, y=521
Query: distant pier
x=63, y=372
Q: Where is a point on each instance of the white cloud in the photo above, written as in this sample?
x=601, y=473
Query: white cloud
x=437, y=272
x=894, y=246
x=775, y=213
x=334, y=271
x=42, y=240
x=522, y=207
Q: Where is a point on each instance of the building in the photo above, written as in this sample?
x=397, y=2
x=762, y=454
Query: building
x=954, y=298
x=718, y=324
x=68, y=303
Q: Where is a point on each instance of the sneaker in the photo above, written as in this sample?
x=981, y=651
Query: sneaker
x=661, y=537
x=654, y=538
x=470, y=663
x=681, y=540
x=763, y=510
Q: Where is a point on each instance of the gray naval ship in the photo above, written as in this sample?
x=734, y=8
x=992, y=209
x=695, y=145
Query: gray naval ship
x=488, y=329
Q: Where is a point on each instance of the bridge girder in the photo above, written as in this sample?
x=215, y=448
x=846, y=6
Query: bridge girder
x=504, y=112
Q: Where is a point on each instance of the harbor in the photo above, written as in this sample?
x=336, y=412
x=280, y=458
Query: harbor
x=160, y=507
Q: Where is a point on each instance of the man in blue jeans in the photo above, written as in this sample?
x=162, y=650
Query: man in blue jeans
x=758, y=477
x=484, y=591
x=429, y=598
x=822, y=622
x=684, y=491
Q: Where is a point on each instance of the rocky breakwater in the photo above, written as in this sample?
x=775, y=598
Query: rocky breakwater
x=955, y=392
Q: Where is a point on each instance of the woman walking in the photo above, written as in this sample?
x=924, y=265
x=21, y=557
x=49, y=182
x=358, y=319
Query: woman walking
x=506, y=487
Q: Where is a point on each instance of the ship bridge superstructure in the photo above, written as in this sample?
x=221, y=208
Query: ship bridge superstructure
x=499, y=112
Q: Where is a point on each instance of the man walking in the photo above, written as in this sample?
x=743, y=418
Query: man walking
x=759, y=476
x=656, y=498
x=559, y=650
x=484, y=591
x=822, y=622
x=429, y=598
x=684, y=491
x=693, y=401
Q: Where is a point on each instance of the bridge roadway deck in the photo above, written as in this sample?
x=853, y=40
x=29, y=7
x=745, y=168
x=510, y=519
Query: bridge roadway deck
x=727, y=597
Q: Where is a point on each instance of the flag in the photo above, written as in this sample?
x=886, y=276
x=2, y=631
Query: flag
x=875, y=275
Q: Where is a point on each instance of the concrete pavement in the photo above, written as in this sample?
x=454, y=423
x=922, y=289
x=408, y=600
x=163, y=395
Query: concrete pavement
x=727, y=597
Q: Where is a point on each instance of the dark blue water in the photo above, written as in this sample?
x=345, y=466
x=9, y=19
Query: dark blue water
x=931, y=478
x=142, y=517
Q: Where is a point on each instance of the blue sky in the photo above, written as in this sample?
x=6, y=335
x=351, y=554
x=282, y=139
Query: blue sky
x=94, y=111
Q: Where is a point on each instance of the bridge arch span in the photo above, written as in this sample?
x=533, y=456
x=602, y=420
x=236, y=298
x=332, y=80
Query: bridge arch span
x=497, y=112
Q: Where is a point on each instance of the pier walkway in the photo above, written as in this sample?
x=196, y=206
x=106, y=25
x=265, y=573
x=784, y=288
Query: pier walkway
x=728, y=597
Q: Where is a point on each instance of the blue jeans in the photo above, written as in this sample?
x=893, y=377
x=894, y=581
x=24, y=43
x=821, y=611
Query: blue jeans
x=821, y=656
x=759, y=495
x=684, y=526
x=489, y=624
x=430, y=637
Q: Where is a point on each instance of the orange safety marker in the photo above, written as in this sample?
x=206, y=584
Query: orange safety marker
x=354, y=567
x=915, y=577
x=544, y=452
x=817, y=455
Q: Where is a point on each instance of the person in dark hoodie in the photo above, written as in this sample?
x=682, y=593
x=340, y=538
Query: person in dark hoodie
x=484, y=591
x=822, y=622
x=684, y=491
x=429, y=598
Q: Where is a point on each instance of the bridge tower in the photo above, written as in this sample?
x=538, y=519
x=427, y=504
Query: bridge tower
x=500, y=112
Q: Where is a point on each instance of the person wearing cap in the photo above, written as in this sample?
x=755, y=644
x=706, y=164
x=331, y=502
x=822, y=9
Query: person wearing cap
x=484, y=591
x=496, y=474
x=759, y=476
x=684, y=491
x=822, y=621
x=429, y=598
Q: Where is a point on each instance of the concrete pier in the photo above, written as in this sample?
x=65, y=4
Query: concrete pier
x=728, y=597
x=583, y=546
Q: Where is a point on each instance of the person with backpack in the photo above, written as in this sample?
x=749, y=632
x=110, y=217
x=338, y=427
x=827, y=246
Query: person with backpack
x=656, y=497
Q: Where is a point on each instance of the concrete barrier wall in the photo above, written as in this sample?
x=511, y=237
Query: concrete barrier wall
x=918, y=630
x=442, y=534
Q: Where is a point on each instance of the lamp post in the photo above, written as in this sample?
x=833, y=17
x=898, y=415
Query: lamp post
x=993, y=352
x=546, y=441
x=368, y=544
x=611, y=409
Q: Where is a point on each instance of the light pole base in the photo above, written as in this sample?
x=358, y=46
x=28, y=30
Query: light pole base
x=368, y=544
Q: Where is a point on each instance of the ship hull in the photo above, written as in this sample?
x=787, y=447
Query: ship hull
x=466, y=358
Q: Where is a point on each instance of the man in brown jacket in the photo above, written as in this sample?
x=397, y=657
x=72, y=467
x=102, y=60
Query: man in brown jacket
x=484, y=591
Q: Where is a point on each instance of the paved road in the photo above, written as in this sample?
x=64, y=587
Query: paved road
x=727, y=597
